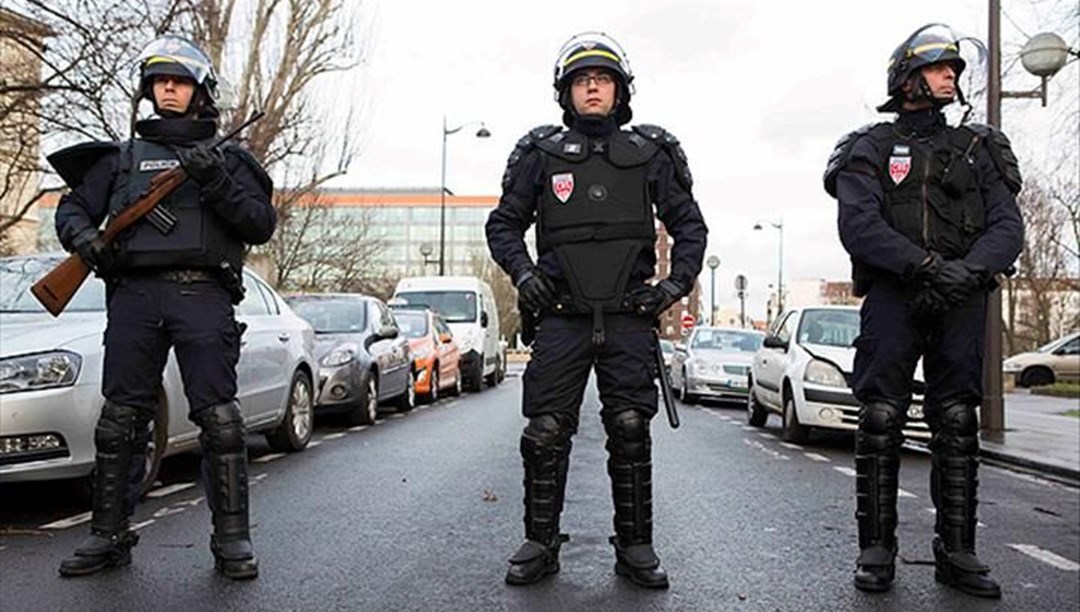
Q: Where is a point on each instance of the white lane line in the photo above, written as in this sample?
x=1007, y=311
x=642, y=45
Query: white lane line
x=449, y=404
x=70, y=521
x=934, y=511
x=358, y=428
x=791, y=446
x=749, y=428
x=3, y=548
x=1047, y=557
x=333, y=436
x=817, y=457
x=397, y=415
x=765, y=449
x=190, y=503
x=724, y=417
x=258, y=477
x=314, y=443
x=269, y=458
x=138, y=526
x=163, y=512
x=766, y=435
x=843, y=469
x=169, y=490
x=903, y=493
x=735, y=423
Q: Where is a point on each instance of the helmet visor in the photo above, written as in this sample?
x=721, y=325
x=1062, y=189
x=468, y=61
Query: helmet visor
x=178, y=56
x=591, y=49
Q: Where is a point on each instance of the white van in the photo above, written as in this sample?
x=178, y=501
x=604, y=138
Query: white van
x=467, y=304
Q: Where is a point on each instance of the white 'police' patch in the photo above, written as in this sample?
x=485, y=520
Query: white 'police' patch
x=901, y=150
x=157, y=165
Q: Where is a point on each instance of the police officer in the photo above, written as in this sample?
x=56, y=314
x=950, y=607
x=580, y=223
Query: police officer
x=591, y=190
x=171, y=283
x=929, y=216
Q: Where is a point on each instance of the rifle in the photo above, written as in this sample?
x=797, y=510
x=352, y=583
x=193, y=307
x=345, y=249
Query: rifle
x=665, y=385
x=55, y=289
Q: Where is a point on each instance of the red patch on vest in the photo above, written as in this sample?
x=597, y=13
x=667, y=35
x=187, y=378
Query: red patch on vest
x=563, y=186
x=899, y=168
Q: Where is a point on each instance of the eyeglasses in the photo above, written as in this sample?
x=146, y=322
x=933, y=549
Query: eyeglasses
x=602, y=79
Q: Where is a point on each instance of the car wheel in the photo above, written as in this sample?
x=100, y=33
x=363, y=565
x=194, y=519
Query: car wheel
x=476, y=376
x=456, y=389
x=496, y=376
x=367, y=409
x=687, y=397
x=756, y=414
x=1036, y=377
x=407, y=400
x=433, y=395
x=794, y=431
x=294, y=433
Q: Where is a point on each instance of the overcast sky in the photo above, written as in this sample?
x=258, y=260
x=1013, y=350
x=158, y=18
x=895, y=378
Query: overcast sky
x=758, y=93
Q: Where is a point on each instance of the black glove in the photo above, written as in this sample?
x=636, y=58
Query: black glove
x=957, y=282
x=204, y=164
x=95, y=252
x=653, y=300
x=535, y=291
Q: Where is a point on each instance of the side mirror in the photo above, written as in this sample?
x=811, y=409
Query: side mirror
x=446, y=338
x=387, y=332
x=484, y=319
x=774, y=342
x=680, y=347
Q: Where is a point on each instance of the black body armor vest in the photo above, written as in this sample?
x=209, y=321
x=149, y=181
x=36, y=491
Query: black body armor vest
x=198, y=239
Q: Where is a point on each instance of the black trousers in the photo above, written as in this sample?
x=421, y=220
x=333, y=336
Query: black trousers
x=147, y=317
x=563, y=355
x=891, y=340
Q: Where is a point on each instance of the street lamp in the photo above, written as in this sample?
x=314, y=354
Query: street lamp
x=1043, y=56
x=426, y=249
x=481, y=133
x=779, y=225
x=713, y=262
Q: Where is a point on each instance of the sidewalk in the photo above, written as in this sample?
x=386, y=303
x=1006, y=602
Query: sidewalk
x=1037, y=436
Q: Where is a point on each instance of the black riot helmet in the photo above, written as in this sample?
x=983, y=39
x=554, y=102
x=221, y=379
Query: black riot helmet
x=178, y=56
x=931, y=44
x=593, y=50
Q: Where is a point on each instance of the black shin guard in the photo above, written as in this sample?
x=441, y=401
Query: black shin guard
x=877, y=467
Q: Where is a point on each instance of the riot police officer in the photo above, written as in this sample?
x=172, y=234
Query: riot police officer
x=592, y=189
x=929, y=216
x=172, y=281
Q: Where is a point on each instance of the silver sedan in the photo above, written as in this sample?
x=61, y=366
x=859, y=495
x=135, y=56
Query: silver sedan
x=714, y=363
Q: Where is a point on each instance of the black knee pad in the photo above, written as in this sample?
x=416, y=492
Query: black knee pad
x=628, y=435
x=118, y=425
x=880, y=427
x=957, y=429
x=222, y=428
x=550, y=430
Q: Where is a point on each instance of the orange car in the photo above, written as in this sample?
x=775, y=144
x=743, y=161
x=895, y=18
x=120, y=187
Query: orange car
x=436, y=359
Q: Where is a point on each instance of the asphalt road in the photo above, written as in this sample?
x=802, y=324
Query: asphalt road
x=420, y=513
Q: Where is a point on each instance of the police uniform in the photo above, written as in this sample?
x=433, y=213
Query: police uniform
x=929, y=216
x=591, y=191
x=172, y=280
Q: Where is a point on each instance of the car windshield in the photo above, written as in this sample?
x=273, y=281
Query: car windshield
x=667, y=346
x=331, y=315
x=829, y=327
x=412, y=323
x=1053, y=345
x=17, y=274
x=454, y=306
x=726, y=340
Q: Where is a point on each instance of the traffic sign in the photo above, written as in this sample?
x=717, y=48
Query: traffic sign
x=740, y=283
x=687, y=321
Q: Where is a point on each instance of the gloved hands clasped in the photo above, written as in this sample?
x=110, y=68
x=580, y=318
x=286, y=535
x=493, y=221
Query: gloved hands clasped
x=535, y=291
x=653, y=300
x=943, y=285
x=204, y=164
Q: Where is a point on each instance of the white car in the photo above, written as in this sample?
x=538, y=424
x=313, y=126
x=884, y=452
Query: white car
x=50, y=377
x=714, y=364
x=1057, y=360
x=802, y=373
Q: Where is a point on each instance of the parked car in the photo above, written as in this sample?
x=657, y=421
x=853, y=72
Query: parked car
x=714, y=363
x=802, y=371
x=50, y=377
x=364, y=360
x=436, y=359
x=667, y=348
x=467, y=304
x=1058, y=360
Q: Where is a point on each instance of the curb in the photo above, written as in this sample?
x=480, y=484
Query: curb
x=1058, y=473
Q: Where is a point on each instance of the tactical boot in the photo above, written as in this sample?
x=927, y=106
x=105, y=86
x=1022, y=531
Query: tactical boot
x=953, y=487
x=545, y=485
x=877, y=465
x=630, y=468
x=120, y=438
x=226, y=482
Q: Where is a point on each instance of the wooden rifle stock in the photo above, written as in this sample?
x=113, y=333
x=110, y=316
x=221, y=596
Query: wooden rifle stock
x=55, y=289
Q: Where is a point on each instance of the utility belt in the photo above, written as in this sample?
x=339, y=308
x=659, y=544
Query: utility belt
x=224, y=275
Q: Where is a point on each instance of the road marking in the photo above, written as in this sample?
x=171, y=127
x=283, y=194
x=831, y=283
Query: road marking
x=3, y=548
x=766, y=435
x=843, y=469
x=791, y=446
x=723, y=417
x=397, y=415
x=70, y=521
x=269, y=458
x=191, y=502
x=934, y=511
x=749, y=428
x=449, y=404
x=169, y=490
x=817, y=457
x=765, y=449
x=358, y=428
x=258, y=477
x=314, y=443
x=138, y=526
x=735, y=423
x=333, y=436
x=1047, y=557
x=903, y=493
x=163, y=512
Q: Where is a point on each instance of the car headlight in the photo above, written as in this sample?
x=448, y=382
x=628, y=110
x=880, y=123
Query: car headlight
x=41, y=371
x=1011, y=367
x=821, y=373
x=337, y=357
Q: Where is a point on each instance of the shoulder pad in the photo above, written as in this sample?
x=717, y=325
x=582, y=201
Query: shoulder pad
x=253, y=164
x=667, y=141
x=629, y=149
x=524, y=144
x=1001, y=153
x=842, y=153
x=73, y=162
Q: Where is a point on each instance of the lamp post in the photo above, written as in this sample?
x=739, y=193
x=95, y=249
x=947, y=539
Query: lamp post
x=713, y=262
x=779, y=225
x=426, y=249
x=481, y=133
x=740, y=286
x=1043, y=56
